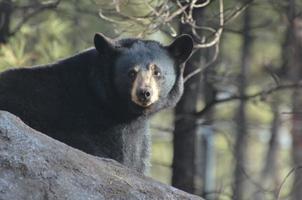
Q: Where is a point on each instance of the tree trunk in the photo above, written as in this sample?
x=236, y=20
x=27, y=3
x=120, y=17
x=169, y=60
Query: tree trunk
x=269, y=175
x=205, y=153
x=270, y=170
x=185, y=132
x=297, y=143
x=241, y=139
x=6, y=9
x=295, y=75
x=292, y=51
x=184, y=142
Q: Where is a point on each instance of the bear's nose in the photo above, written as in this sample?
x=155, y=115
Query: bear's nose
x=145, y=94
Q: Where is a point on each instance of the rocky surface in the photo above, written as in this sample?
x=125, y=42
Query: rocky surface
x=34, y=166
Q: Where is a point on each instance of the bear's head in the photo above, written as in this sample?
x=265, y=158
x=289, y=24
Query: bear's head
x=144, y=72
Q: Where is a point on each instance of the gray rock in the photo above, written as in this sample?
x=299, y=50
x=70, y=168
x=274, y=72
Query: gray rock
x=34, y=166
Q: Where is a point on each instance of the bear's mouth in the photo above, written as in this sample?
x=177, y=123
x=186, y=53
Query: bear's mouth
x=143, y=104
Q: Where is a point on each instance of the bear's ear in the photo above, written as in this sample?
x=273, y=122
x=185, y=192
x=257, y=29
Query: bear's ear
x=103, y=44
x=181, y=48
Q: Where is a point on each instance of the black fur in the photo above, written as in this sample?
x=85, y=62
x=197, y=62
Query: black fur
x=84, y=101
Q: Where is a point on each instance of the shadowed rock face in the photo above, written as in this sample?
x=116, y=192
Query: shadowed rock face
x=34, y=166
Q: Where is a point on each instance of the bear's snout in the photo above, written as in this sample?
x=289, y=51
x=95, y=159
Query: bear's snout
x=144, y=94
x=145, y=90
x=144, y=97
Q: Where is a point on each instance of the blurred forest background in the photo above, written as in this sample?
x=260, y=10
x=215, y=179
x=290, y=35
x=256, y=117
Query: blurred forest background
x=237, y=131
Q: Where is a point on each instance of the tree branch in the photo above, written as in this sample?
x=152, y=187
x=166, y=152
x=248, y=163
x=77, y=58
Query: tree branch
x=38, y=8
x=277, y=195
x=261, y=93
x=219, y=31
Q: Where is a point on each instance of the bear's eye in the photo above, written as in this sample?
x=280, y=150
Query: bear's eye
x=155, y=69
x=157, y=73
x=132, y=73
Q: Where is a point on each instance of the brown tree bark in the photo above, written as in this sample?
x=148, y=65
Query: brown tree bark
x=270, y=170
x=184, y=145
x=205, y=151
x=295, y=64
x=241, y=121
x=292, y=65
x=184, y=142
x=269, y=175
x=297, y=144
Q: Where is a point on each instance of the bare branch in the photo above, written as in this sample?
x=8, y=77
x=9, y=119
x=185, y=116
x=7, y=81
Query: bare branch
x=238, y=11
x=207, y=65
x=261, y=93
x=285, y=179
x=218, y=32
x=163, y=129
x=204, y=4
x=37, y=9
x=37, y=5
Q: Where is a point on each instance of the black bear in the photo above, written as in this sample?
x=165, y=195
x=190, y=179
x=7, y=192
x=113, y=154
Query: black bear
x=101, y=99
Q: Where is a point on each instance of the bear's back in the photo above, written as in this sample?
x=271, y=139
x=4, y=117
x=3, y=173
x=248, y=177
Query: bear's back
x=59, y=103
x=50, y=99
x=24, y=91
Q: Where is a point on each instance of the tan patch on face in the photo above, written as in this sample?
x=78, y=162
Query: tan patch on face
x=145, y=79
